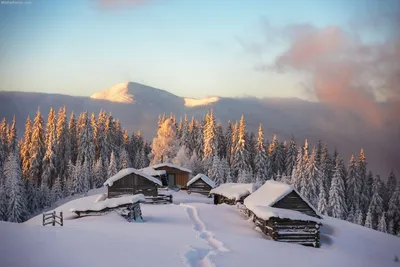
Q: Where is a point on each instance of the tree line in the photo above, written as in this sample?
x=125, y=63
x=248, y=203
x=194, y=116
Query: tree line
x=60, y=158
x=233, y=154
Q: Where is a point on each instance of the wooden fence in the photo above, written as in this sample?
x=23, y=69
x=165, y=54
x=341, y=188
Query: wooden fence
x=53, y=219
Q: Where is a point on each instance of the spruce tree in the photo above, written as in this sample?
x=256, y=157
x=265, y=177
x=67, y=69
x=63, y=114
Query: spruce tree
x=354, y=185
x=368, y=220
x=299, y=172
x=359, y=217
x=86, y=176
x=351, y=216
x=98, y=173
x=195, y=164
x=362, y=175
x=63, y=146
x=112, y=168
x=376, y=206
x=311, y=179
x=165, y=144
x=241, y=155
x=57, y=190
x=291, y=156
x=228, y=141
x=382, y=223
x=337, y=199
x=17, y=210
x=209, y=140
x=216, y=173
x=86, y=150
x=25, y=149
x=393, y=212
x=3, y=136
x=3, y=201
x=226, y=170
x=50, y=157
x=78, y=179
x=124, y=161
x=391, y=184
x=260, y=164
x=272, y=154
x=37, y=150
x=322, y=203
x=12, y=138
x=73, y=137
x=220, y=141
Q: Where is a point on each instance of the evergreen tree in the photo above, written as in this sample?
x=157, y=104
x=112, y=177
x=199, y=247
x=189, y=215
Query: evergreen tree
x=17, y=210
x=226, y=170
x=73, y=138
x=390, y=228
x=391, y=184
x=195, y=164
x=382, y=223
x=112, y=168
x=311, y=179
x=235, y=135
x=25, y=149
x=298, y=173
x=124, y=161
x=50, y=157
x=78, y=186
x=63, y=146
x=32, y=196
x=241, y=156
x=228, y=141
x=181, y=158
x=368, y=220
x=260, y=162
x=12, y=138
x=359, y=217
x=57, y=190
x=37, y=150
x=272, y=153
x=3, y=136
x=87, y=176
x=362, y=175
x=318, y=157
x=376, y=205
x=102, y=147
x=165, y=145
x=251, y=142
x=209, y=140
x=337, y=199
x=393, y=212
x=322, y=203
x=216, y=173
x=86, y=150
x=354, y=185
x=291, y=156
x=351, y=216
x=98, y=173
x=280, y=158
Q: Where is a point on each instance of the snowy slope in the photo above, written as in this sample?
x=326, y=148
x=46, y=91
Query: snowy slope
x=190, y=232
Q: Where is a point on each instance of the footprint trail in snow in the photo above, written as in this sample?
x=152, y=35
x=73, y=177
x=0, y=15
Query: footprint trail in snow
x=201, y=257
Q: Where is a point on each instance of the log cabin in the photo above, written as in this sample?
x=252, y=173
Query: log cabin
x=131, y=181
x=175, y=175
x=283, y=214
x=232, y=193
x=200, y=184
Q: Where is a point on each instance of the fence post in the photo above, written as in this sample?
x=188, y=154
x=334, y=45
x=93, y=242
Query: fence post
x=62, y=219
x=43, y=218
x=54, y=218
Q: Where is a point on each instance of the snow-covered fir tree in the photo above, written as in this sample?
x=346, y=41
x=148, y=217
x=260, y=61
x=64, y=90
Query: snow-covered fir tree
x=181, y=158
x=124, y=160
x=86, y=176
x=310, y=182
x=78, y=181
x=280, y=158
x=227, y=171
x=382, y=223
x=298, y=172
x=391, y=184
x=351, y=216
x=98, y=173
x=220, y=140
x=322, y=200
x=17, y=210
x=359, y=217
x=12, y=138
x=209, y=140
x=113, y=166
x=241, y=161
x=25, y=149
x=291, y=156
x=368, y=220
x=63, y=146
x=86, y=149
x=57, y=190
x=216, y=173
x=376, y=206
x=354, y=185
x=337, y=197
x=362, y=175
x=49, y=161
x=235, y=135
x=195, y=164
x=272, y=153
x=3, y=202
x=37, y=150
x=3, y=135
x=165, y=144
x=228, y=141
x=393, y=212
x=260, y=161
x=73, y=137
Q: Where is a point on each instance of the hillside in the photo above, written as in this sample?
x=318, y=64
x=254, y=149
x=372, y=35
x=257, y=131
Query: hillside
x=190, y=232
x=138, y=107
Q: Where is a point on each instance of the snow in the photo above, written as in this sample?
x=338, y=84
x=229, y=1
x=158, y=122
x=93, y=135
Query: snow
x=269, y=194
x=118, y=93
x=195, y=102
x=170, y=165
x=265, y=212
x=202, y=177
x=152, y=172
x=127, y=171
x=234, y=190
x=109, y=203
x=190, y=232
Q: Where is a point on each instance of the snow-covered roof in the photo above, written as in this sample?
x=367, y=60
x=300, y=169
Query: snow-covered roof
x=234, y=190
x=266, y=212
x=202, y=177
x=151, y=171
x=124, y=172
x=109, y=203
x=269, y=194
x=167, y=164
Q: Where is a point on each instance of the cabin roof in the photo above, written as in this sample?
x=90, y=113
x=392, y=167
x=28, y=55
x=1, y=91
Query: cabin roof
x=266, y=212
x=170, y=165
x=152, y=172
x=270, y=193
x=202, y=177
x=109, y=203
x=124, y=172
x=234, y=190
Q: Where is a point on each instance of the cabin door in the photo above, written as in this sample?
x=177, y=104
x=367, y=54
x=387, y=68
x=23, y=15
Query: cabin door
x=171, y=180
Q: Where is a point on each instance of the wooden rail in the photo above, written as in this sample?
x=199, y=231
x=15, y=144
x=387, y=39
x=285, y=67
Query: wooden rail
x=52, y=218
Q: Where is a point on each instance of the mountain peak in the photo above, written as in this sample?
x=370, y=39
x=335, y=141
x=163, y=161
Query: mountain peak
x=117, y=93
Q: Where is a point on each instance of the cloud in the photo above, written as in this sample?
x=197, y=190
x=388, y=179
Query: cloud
x=346, y=72
x=113, y=4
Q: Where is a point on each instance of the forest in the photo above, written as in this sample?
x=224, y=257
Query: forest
x=69, y=155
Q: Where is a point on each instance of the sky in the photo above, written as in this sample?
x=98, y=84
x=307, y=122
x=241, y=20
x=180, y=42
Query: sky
x=189, y=48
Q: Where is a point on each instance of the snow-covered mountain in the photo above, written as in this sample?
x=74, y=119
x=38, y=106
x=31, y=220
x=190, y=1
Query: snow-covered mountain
x=190, y=232
x=138, y=107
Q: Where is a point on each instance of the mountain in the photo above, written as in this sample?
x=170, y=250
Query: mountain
x=138, y=106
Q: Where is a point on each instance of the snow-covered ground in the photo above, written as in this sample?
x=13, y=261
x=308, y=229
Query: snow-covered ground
x=190, y=232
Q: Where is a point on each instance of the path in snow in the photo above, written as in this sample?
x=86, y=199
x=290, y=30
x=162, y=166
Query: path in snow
x=201, y=257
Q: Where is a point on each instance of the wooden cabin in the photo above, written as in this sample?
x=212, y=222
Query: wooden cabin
x=131, y=182
x=200, y=184
x=284, y=215
x=232, y=193
x=176, y=175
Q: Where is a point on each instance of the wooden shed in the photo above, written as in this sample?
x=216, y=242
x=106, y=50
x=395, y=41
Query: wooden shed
x=283, y=214
x=131, y=182
x=200, y=184
x=232, y=193
x=176, y=175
